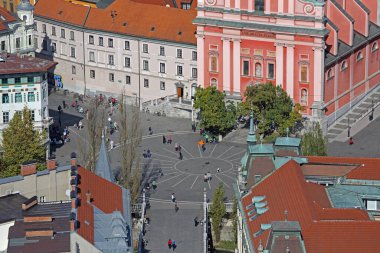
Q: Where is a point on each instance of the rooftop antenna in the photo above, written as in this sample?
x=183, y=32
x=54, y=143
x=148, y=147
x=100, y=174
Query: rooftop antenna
x=286, y=215
x=113, y=15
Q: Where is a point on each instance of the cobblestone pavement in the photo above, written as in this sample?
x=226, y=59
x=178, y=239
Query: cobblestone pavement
x=184, y=178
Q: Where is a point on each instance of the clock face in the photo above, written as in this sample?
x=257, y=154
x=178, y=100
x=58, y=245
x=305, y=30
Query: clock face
x=211, y=2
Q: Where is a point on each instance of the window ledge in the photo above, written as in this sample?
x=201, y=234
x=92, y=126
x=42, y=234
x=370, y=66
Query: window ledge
x=304, y=82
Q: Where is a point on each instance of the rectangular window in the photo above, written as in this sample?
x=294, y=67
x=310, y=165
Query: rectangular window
x=270, y=70
x=72, y=37
x=72, y=52
x=162, y=85
x=31, y=97
x=112, y=77
x=92, y=74
x=4, y=80
x=127, y=79
x=194, y=56
x=111, y=59
x=18, y=98
x=179, y=70
x=101, y=41
x=54, y=47
x=5, y=98
x=5, y=117
x=146, y=65
x=146, y=83
x=73, y=70
x=110, y=42
x=29, y=40
x=63, y=33
x=30, y=79
x=2, y=47
x=145, y=48
x=185, y=6
x=127, y=62
x=18, y=42
x=245, y=67
x=53, y=31
x=33, y=115
x=91, y=39
x=259, y=5
x=162, y=67
x=126, y=45
x=44, y=45
x=304, y=74
x=162, y=51
x=18, y=80
x=194, y=72
x=44, y=28
x=92, y=56
x=179, y=53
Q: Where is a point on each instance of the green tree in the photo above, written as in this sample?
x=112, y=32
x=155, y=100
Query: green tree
x=216, y=116
x=21, y=143
x=313, y=143
x=217, y=211
x=274, y=110
x=234, y=219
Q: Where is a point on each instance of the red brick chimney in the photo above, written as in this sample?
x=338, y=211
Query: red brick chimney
x=28, y=168
x=51, y=163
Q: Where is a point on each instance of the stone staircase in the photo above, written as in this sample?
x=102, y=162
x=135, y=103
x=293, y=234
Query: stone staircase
x=360, y=110
x=169, y=106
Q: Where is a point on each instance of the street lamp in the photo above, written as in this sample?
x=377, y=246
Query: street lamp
x=348, y=127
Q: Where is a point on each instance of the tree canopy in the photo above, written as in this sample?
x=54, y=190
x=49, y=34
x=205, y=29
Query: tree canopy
x=21, y=143
x=218, y=210
x=273, y=108
x=313, y=143
x=216, y=116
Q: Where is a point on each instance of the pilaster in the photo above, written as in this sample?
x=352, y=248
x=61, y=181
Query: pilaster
x=226, y=65
x=279, y=64
x=200, y=62
x=290, y=70
x=236, y=66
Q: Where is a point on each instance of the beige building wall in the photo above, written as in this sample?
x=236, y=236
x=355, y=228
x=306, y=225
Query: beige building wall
x=47, y=186
x=78, y=242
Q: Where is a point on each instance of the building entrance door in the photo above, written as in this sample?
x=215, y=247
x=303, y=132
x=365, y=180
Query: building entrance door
x=180, y=92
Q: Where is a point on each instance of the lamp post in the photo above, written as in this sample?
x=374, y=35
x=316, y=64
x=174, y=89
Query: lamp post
x=348, y=127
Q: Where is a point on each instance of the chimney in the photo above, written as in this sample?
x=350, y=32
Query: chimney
x=28, y=168
x=88, y=197
x=51, y=163
x=29, y=203
x=73, y=159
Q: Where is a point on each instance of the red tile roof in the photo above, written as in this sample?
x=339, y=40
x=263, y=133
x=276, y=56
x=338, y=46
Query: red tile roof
x=326, y=170
x=7, y=16
x=105, y=195
x=14, y=64
x=366, y=168
x=142, y=20
x=308, y=203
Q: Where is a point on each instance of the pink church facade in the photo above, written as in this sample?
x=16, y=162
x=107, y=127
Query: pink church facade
x=308, y=47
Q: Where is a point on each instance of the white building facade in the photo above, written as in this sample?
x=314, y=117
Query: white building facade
x=17, y=35
x=94, y=61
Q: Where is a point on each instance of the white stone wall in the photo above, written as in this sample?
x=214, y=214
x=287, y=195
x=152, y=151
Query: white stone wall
x=4, y=231
x=82, y=80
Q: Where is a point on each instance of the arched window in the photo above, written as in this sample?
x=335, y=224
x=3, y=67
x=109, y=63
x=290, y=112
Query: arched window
x=343, y=66
x=258, y=70
x=330, y=74
x=214, y=82
x=304, y=96
x=375, y=46
x=359, y=56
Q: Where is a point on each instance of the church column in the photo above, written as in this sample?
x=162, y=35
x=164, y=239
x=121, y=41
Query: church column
x=236, y=66
x=290, y=70
x=291, y=7
x=279, y=64
x=318, y=73
x=227, y=4
x=280, y=6
x=237, y=4
x=226, y=65
x=201, y=59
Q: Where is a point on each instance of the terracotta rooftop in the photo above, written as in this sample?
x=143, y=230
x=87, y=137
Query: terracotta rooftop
x=5, y=17
x=365, y=168
x=308, y=203
x=142, y=20
x=13, y=64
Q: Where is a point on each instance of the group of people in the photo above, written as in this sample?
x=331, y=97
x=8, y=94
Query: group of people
x=172, y=244
x=147, y=153
x=167, y=139
x=207, y=177
x=176, y=208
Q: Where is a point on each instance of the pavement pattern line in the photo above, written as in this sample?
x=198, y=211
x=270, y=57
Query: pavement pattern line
x=180, y=174
x=213, y=150
x=242, y=151
x=222, y=181
x=224, y=152
x=194, y=182
x=187, y=152
x=181, y=181
x=165, y=156
x=176, y=154
x=239, y=158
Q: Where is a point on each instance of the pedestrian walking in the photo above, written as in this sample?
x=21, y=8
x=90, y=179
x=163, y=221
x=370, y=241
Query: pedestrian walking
x=149, y=155
x=196, y=221
x=193, y=127
x=176, y=146
x=163, y=139
x=218, y=170
x=170, y=243
x=64, y=104
x=111, y=144
x=174, y=245
x=205, y=178
x=208, y=176
x=180, y=155
x=179, y=148
x=351, y=141
x=150, y=130
x=144, y=153
x=176, y=208
x=59, y=109
x=173, y=197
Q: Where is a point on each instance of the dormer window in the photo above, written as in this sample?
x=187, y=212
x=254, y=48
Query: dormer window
x=343, y=66
x=374, y=47
x=330, y=74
